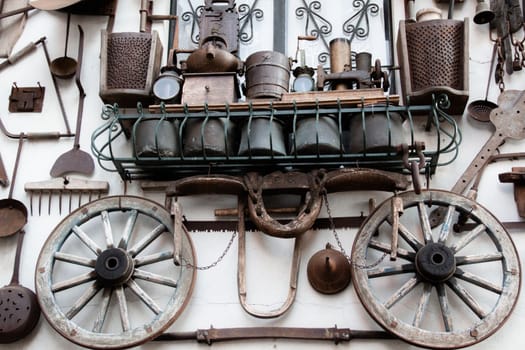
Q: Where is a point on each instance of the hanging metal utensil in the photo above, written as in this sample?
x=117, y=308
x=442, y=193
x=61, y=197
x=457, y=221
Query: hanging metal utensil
x=20, y=309
x=76, y=160
x=4, y=180
x=480, y=109
x=64, y=67
x=13, y=213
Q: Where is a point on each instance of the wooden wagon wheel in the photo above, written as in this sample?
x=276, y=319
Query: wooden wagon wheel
x=435, y=287
x=106, y=278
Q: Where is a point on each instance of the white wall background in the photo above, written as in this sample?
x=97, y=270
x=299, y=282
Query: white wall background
x=214, y=300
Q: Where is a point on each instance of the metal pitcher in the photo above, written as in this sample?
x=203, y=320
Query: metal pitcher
x=154, y=137
x=209, y=137
x=316, y=136
x=262, y=136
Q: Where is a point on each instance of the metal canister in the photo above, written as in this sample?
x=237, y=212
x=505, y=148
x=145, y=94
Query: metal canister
x=155, y=137
x=209, y=137
x=262, y=136
x=340, y=59
x=267, y=74
x=316, y=136
x=376, y=132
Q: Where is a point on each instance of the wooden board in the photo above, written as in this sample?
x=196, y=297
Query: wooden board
x=342, y=98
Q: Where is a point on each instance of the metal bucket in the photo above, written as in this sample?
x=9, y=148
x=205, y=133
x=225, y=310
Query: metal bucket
x=209, y=137
x=316, y=136
x=262, y=136
x=267, y=74
x=156, y=138
x=378, y=133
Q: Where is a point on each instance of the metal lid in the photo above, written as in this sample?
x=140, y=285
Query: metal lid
x=328, y=271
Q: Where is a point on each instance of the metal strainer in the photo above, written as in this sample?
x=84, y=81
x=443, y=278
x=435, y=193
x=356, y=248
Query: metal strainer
x=480, y=109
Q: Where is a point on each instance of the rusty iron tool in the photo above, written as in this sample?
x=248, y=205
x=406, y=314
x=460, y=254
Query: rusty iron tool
x=20, y=309
x=509, y=123
x=335, y=334
x=517, y=177
x=57, y=90
x=12, y=59
x=76, y=160
x=4, y=180
x=65, y=186
x=64, y=67
x=13, y=213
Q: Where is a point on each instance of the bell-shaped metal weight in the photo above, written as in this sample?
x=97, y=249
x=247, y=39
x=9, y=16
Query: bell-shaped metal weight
x=328, y=271
x=483, y=13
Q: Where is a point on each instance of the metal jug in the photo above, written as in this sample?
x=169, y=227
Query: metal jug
x=209, y=137
x=262, y=136
x=316, y=136
x=376, y=132
x=154, y=137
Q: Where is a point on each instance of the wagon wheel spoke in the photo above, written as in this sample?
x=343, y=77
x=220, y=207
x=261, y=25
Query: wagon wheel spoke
x=391, y=270
x=467, y=298
x=95, y=248
x=447, y=224
x=128, y=229
x=123, y=308
x=153, y=258
x=478, y=281
x=478, y=259
x=73, y=282
x=406, y=288
x=386, y=248
x=83, y=300
x=410, y=238
x=445, y=308
x=147, y=239
x=475, y=232
x=155, y=278
x=75, y=259
x=422, y=304
x=425, y=222
x=108, y=232
x=104, y=307
x=146, y=299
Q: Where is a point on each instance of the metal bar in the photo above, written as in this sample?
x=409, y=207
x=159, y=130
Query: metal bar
x=212, y=335
x=279, y=25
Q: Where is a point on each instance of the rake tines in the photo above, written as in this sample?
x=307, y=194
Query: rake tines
x=67, y=186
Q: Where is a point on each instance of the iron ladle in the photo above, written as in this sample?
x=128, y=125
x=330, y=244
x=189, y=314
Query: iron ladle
x=64, y=67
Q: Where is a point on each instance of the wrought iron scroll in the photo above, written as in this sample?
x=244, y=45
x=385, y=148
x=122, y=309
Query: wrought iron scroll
x=193, y=16
x=316, y=25
x=358, y=26
x=247, y=14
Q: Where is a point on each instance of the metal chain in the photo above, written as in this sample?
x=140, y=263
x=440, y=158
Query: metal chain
x=216, y=262
x=338, y=240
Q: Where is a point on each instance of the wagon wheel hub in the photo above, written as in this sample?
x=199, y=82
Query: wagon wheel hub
x=435, y=262
x=114, y=267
